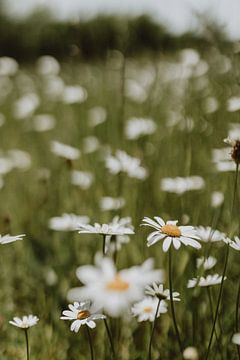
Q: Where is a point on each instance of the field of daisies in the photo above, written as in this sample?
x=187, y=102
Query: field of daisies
x=119, y=212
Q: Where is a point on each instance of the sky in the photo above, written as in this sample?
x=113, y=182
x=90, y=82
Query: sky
x=176, y=14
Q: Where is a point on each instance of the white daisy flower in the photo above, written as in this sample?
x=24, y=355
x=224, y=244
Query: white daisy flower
x=207, y=234
x=74, y=94
x=190, y=353
x=235, y=244
x=206, y=263
x=217, y=199
x=83, y=179
x=112, y=290
x=146, y=309
x=5, y=239
x=170, y=233
x=137, y=127
x=180, y=185
x=65, y=151
x=113, y=228
x=81, y=313
x=208, y=281
x=158, y=291
x=236, y=339
x=67, y=222
x=25, y=322
x=109, y=203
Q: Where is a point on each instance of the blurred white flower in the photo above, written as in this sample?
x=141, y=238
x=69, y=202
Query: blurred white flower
x=20, y=159
x=65, y=151
x=234, y=132
x=67, y=222
x=135, y=91
x=158, y=291
x=170, y=233
x=208, y=281
x=217, y=199
x=6, y=165
x=96, y=116
x=43, y=122
x=233, y=104
x=25, y=106
x=235, y=150
x=81, y=314
x=48, y=65
x=236, y=339
x=8, y=66
x=180, y=185
x=83, y=179
x=207, y=234
x=6, y=239
x=235, y=244
x=137, y=127
x=125, y=163
x=116, y=227
x=207, y=263
x=53, y=87
x=90, y=144
x=225, y=166
x=74, y=94
x=25, y=322
x=210, y=105
x=145, y=309
x=189, y=57
x=108, y=203
x=114, y=291
x=190, y=353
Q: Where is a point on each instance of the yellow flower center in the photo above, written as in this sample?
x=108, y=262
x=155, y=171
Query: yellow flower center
x=171, y=230
x=83, y=314
x=117, y=284
x=147, y=309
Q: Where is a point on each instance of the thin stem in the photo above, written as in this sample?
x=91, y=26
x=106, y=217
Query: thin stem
x=236, y=317
x=218, y=302
x=235, y=189
x=110, y=338
x=27, y=343
x=171, y=300
x=90, y=343
x=104, y=244
x=152, y=332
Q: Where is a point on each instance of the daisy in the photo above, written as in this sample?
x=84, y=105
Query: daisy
x=137, y=127
x=5, y=239
x=207, y=234
x=114, y=291
x=81, y=314
x=113, y=228
x=235, y=152
x=67, y=222
x=65, y=151
x=83, y=179
x=206, y=263
x=208, y=281
x=146, y=309
x=25, y=322
x=235, y=244
x=170, y=233
x=159, y=292
x=108, y=203
x=236, y=339
x=180, y=185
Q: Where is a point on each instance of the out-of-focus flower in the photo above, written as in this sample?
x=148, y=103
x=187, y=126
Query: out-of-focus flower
x=5, y=239
x=65, y=151
x=233, y=104
x=134, y=91
x=235, y=152
x=236, y=339
x=26, y=106
x=43, y=122
x=208, y=281
x=235, y=244
x=190, y=353
x=122, y=162
x=161, y=293
x=48, y=65
x=180, y=185
x=137, y=127
x=170, y=233
x=90, y=144
x=74, y=94
x=83, y=179
x=20, y=159
x=206, y=263
x=114, y=243
x=234, y=132
x=25, y=322
x=189, y=57
x=5, y=165
x=67, y=222
x=207, y=234
x=97, y=115
x=81, y=314
x=8, y=66
x=53, y=87
x=210, y=105
x=113, y=228
x=217, y=199
x=145, y=309
x=114, y=291
x=109, y=203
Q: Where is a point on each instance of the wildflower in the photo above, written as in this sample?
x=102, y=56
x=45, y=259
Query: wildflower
x=208, y=281
x=235, y=244
x=97, y=115
x=114, y=291
x=207, y=234
x=74, y=94
x=146, y=309
x=65, y=151
x=67, y=222
x=236, y=339
x=233, y=104
x=137, y=127
x=5, y=239
x=83, y=179
x=8, y=66
x=206, y=263
x=217, y=199
x=109, y=203
x=26, y=106
x=190, y=353
x=159, y=292
x=116, y=227
x=90, y=144
x=48, y=65
x=170, y=233
x=180, y=185
x=81, y=313
x=235, y=153
x=43, y=122
x=25, y=322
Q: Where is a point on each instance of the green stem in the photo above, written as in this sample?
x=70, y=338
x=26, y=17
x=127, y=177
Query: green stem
x=90, y=343
x=104, y=244
x=27, y=343
x=171, y=300
x=236, y=317
x=110, y=338
x=152, y=332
